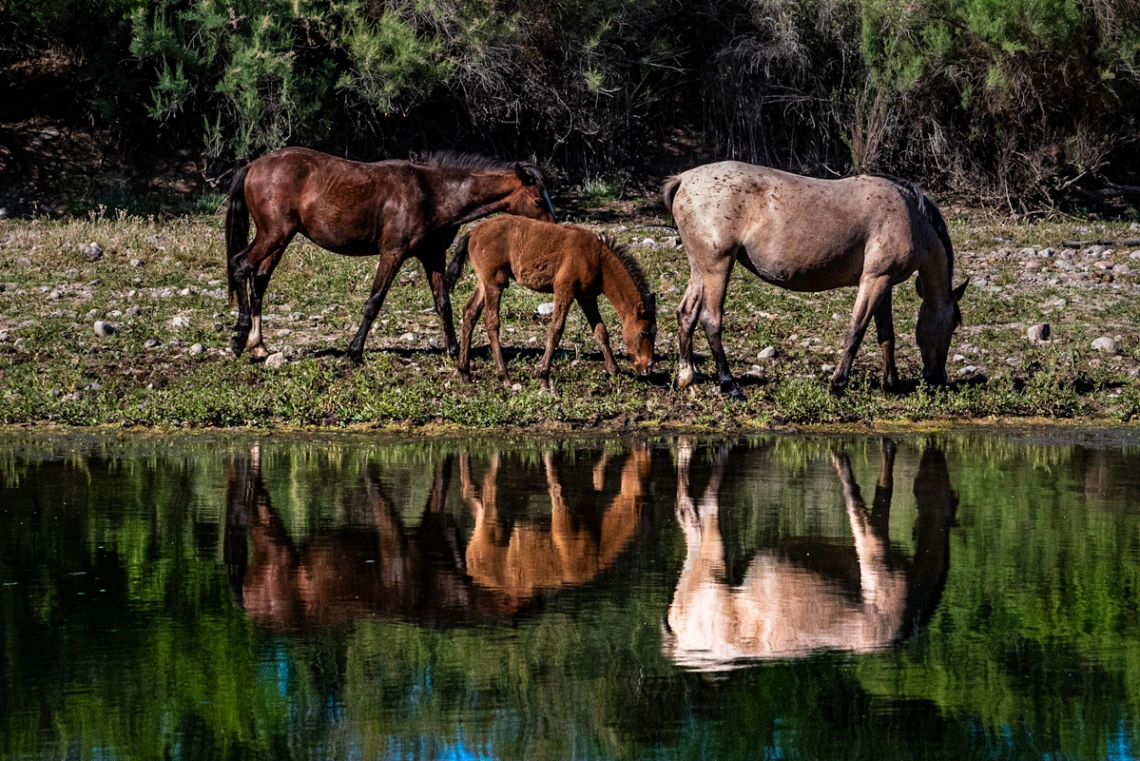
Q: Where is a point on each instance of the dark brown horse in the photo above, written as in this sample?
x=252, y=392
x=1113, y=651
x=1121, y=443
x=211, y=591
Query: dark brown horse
x=572, y=263
x=394, y=209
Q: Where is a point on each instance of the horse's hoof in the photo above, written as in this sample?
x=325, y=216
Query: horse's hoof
x=465, y=377
x=838, y=388
x=453, y=351
x=733, y=391
x=258, y=352
x=890, y=385
x=684, y=377
x=357, y=357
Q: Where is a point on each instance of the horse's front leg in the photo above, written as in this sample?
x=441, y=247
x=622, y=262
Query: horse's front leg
x=885, y=333
x=390, y=261
x=589, y=306
x=562, y=302
x=872, y=291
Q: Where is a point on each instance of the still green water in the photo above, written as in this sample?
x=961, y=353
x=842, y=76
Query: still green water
x=762, y=598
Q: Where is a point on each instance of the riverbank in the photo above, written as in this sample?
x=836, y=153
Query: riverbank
x=160, y=286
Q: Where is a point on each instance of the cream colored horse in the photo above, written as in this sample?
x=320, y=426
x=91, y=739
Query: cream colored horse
x=812, y=235
x=789, y=607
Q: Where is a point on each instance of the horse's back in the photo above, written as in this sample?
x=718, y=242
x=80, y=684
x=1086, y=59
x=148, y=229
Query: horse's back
x=533, y=252
x=797, y=232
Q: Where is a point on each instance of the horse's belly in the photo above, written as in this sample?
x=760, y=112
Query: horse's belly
x=807, y=274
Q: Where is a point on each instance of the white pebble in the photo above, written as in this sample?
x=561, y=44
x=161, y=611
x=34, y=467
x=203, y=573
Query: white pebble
x=197, y=349
x=275, y=360
x=103, y=329
x=546, y=309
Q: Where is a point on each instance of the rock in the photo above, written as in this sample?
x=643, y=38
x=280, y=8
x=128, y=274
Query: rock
x=197, y=349
x=672, y=241
x=1121, y=269
x=1028, y=252
x=756, y=370
x=95, y=386
x=1106, y=345
x=176, y=341
x=768, y=352
x=150, y=343
x=23, y=261
x=647, y=243
x=1076, y=277
x=1033, y=264
x=134, y=312
x=433, y=342
x=546, y=309
x=276, y=360
x=3, y=212
x=184, y=292
x=1046, y=253
x=516, y=387
x=136, y=262
x=828, y=368
x=53, y=295
x=1104, y=264
x=103, y=329
x=1039, y=332
x=408, y=337
x=1134, y=255
x=958, y=358
x=284, y=332
x=180, y=321
x=56, y=393
x=115, y=313
x=968, y=370
x=296, y=316
x=1093, y=251
x=92, y=251
x=92, y=314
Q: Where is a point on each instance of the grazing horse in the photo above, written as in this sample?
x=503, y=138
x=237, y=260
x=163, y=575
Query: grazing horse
x=572, y=263
x=806, y=596
x=394, y=209
x=813, y=235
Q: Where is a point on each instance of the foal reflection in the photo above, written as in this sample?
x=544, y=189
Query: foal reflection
x=428, y=573
x=536, y=556
x=803, y=597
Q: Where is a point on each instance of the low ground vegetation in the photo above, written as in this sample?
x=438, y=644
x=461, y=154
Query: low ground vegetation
x=158, y=288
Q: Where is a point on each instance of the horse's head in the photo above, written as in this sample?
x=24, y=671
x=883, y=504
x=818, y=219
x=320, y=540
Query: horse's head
x=530, y=199
x=938, y=318
x=640, y=334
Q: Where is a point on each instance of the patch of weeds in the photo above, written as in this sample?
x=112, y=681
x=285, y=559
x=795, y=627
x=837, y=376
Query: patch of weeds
x=599, y=189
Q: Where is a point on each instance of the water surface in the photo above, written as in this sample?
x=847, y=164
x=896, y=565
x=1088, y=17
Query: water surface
x=944, y=597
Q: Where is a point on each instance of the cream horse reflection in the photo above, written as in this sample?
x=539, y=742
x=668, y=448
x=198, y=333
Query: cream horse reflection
x=537, y=557
x=789, y=605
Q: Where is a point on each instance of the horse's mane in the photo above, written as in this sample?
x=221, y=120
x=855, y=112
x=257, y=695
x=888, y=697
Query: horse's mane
x=929, y=211
x=477, y=162
x=622, y=254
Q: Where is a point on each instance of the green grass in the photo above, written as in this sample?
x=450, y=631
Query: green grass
x=50, y=356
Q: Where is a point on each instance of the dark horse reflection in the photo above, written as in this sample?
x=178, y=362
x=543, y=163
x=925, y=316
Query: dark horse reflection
x=807, y=596
x=431, y=573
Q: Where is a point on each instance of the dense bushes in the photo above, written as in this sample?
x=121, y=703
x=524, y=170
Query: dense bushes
x=1027, y=101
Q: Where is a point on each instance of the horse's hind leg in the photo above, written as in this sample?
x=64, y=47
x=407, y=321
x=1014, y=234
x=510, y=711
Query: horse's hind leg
x=259, y=282
x=589, y=306
x=872, y=291
x=688, y=311
x=493, y=294
x=885, y=333
x=470, y=315
x=712, y=313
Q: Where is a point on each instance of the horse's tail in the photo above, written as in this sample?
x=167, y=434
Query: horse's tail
x=929, y=211
x=455, y=268
x=237, y=227
x=669, y=189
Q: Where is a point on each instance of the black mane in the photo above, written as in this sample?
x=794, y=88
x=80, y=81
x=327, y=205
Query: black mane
x=477, y=162
x=621, y=251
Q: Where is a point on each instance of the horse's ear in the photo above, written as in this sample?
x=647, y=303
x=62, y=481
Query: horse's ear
x=524, y=174
x=918, y=286
x=957, y=292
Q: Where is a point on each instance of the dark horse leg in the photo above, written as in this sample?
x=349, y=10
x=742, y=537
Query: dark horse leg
x=390, y=262
x=885, y=333
x=431, y=254
x=872, y=290
x=254, y=268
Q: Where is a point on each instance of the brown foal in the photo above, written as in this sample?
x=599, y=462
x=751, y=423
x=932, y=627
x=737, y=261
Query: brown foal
x=394, y=209
x=572, y=263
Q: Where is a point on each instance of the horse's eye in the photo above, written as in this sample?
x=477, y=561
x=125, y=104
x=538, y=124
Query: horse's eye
x=539, y=202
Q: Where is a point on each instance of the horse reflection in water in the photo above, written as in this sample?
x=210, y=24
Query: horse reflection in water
x=809, y=596
x=536, y=557
x=425, y=574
